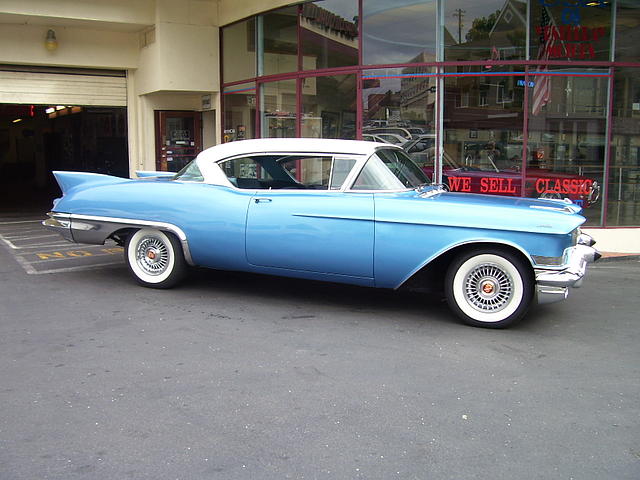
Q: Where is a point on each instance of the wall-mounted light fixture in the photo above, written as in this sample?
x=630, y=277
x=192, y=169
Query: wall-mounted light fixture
x=51, y=42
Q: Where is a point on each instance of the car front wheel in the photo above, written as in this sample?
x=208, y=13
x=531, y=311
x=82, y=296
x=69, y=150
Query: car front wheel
x=155, y=258
x=489, y=287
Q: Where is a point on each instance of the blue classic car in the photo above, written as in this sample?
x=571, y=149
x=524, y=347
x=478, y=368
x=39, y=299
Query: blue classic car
x=336, y=210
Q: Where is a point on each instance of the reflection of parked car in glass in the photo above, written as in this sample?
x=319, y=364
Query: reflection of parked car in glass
x=373, y=138
x=421, y=148
x=392, y=138
x=414, y=131
x=486, y=177
x=403, y=132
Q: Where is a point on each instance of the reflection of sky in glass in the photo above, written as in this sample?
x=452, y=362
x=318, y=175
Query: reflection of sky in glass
x=471, y=11
x=391, y=78
x=396, y=32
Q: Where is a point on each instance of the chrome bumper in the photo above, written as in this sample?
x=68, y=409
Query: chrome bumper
x=95, y=230
x=60, y=224
x=553, y=285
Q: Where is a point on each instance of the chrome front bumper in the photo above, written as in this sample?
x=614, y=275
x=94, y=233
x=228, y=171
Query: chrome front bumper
x=553, y=285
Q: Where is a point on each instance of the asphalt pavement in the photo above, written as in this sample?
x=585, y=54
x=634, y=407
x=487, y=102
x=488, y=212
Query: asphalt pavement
x=235, y=376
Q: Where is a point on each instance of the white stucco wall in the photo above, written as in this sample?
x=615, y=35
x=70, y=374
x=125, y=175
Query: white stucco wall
x=230, y=11
x=171, y=73
x=616, y=240
x=77, y=47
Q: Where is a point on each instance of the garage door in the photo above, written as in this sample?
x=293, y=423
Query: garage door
x=42, y=88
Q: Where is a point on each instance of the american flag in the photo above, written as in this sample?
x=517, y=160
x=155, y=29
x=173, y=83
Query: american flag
x=542, y=88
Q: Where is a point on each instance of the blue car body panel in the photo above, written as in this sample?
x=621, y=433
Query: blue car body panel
x=319, y=231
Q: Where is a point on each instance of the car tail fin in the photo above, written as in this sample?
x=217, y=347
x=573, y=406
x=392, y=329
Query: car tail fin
x=154, y=174
x=69, y=180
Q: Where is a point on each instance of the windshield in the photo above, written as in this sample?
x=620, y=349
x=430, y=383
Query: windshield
x=390, y=170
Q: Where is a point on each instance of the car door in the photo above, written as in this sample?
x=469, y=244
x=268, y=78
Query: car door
x=315, y=228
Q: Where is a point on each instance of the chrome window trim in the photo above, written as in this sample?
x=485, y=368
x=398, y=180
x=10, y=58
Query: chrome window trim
x=358, y=157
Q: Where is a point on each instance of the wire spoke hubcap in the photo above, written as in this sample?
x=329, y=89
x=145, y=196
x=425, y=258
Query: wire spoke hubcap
x=488, y=288
x=152, y=256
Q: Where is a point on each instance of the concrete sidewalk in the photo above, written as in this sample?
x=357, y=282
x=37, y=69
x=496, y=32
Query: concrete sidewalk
x=614, y=256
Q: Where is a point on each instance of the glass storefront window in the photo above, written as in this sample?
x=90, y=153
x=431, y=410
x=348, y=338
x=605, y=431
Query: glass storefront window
x=627, y=29
x=329, y=107
x=570, y=30
x=278, y=40
x=398, y=32
x=398, y=105
x=488, y=30
x=483, y=125
x=239, y=103
x=278, y=109
x=329, y=34
x=566, y=142
x=239, y=51
x=624, y=172
x=480, y=145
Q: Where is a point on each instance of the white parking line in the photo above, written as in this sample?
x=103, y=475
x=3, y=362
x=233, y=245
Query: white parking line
x=31, y=245
x=19, y=236
x=27, y=237
x=20, y=221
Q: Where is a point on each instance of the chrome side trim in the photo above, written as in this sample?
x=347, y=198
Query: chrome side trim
x=96, y=229
x=494, y=241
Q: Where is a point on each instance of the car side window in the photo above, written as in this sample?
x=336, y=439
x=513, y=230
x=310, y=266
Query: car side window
x=245, y=172
x=339, y=171
x=389, y=170
x=190, y=173
x=376, y=176
x=314, y=172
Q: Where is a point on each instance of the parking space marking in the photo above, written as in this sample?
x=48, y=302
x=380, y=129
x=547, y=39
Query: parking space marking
x=39, y=251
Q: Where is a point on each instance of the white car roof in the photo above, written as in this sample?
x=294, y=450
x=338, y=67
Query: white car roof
x=297, y=145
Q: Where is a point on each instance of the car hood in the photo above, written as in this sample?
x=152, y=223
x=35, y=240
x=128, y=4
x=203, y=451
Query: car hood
x=470, y=210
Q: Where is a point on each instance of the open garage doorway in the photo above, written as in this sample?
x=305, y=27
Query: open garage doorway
x=37, y=139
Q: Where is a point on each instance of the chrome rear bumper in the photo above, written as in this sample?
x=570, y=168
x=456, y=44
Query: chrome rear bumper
x=553, y=285
x=60, y=224
x=96, y=229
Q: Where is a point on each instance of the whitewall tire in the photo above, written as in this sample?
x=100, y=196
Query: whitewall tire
x=155, y=258
x=489, y=287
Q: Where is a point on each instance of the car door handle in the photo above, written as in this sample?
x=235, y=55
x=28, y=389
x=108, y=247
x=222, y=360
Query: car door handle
x=262, y=200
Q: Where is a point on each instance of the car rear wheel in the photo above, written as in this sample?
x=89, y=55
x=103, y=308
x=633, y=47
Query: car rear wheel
x=155, y=258
x=489, y=287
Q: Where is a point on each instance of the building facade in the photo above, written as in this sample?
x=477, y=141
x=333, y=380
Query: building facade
x=506, y=97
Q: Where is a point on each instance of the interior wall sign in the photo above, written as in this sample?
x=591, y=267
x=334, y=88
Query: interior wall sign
x=570, y=39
